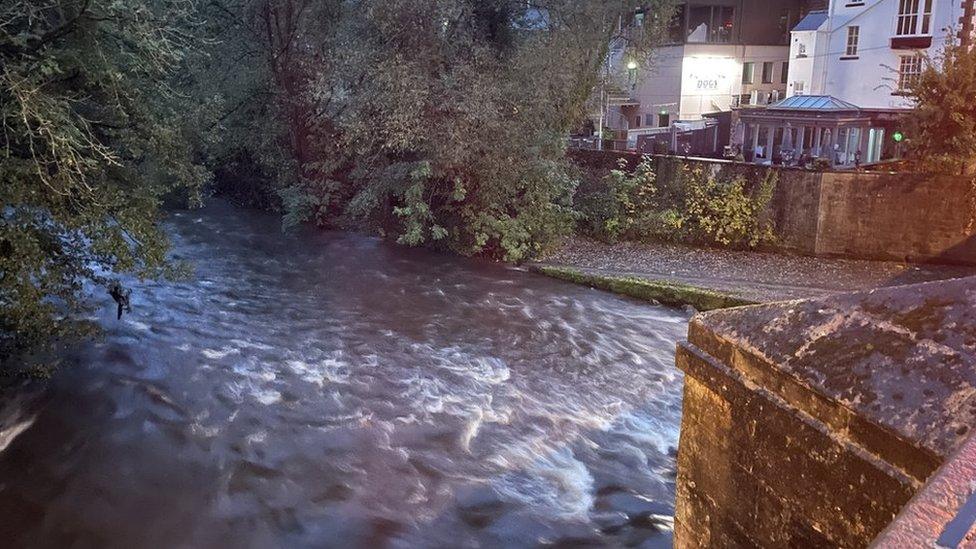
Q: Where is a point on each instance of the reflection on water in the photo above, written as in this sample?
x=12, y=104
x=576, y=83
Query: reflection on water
x=332, y=390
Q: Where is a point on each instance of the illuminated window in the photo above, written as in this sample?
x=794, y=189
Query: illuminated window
x=710, y=24
x=853, y=37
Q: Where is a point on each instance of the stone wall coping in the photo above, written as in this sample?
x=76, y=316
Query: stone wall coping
x=893, y=369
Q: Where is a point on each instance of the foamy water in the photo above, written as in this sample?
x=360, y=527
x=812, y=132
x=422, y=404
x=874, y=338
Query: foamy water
x=333, y=390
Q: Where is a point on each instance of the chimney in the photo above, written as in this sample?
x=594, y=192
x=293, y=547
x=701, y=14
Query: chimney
x=967, y=24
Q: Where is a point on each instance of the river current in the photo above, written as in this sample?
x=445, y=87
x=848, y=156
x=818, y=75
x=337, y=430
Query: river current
x=333, y=390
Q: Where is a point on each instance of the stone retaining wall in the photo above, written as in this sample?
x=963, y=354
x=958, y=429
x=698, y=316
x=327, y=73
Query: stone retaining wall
x=901, y=217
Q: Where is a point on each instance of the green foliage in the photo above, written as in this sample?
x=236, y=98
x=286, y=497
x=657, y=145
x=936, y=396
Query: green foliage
x=653, y=291
x=668, y=199
x=435, y=123
x=630, y=208
x=942, y=135
x=95, y=138
x=724, y=211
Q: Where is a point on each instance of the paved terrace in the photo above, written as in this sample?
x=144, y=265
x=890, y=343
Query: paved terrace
x=754, y=276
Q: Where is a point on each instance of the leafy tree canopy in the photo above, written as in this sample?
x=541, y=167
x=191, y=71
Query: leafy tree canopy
x=93, y=141
x=434, y=122
x=943, y=134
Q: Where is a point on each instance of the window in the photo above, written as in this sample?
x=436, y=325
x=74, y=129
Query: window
x=676, y=30
x=784, y=76
x=767, y=74
x=853, y=36
x=914, y=17
x=664, y=120
x=710, y=24
x=798, y=87
x=637, y=122
x=649, y=119
x=748, y=73
x=909, y=71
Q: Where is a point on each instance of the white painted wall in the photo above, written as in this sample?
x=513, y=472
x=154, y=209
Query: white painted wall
x=688, y=81
x=806, y=67
x=869, y=80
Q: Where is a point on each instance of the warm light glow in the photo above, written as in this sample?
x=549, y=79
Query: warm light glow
x=632, y=65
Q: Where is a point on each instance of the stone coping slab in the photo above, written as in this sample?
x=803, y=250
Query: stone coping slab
x=893, y=370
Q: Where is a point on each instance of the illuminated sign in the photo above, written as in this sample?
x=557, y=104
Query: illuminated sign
x=708, y=75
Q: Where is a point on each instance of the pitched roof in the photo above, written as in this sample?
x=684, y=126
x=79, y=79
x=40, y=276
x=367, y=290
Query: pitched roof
x=822, y=103
x=813, y=21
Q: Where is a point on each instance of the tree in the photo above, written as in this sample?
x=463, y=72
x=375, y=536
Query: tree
x=95, y=137
x=438, y=122
x=943, y=125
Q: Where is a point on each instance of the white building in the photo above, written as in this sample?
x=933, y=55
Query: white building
x=866, y=52
x=851, y=66
x=722, y=54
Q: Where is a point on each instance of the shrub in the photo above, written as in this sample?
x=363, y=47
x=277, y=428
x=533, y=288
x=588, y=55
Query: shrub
x=725, y=212
x=670, y=200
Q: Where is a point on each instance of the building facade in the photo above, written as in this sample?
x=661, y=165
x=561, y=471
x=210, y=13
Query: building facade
x=721, y=54
x=851, y=68
x=867, y=52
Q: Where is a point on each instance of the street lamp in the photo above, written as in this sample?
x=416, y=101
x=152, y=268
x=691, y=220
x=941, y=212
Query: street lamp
x=632, y=72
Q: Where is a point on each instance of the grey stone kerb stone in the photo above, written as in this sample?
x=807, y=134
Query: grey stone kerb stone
x=887, y=376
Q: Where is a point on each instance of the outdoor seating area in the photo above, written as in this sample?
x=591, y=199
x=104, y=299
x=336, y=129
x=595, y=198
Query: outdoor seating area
x=803, y=129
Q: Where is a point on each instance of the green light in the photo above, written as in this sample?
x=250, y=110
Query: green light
x=664, y=112
x=898, y=137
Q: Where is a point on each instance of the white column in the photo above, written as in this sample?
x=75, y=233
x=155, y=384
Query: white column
x=832, y=146
x=755, y=140
x=801, y=135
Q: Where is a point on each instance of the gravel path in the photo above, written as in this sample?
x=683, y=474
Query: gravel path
x=755, y=276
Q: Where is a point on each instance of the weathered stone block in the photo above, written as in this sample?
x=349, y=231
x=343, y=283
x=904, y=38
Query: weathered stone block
x=814, y=423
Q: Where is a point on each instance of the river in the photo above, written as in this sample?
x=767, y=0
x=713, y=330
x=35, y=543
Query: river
x=323, y=389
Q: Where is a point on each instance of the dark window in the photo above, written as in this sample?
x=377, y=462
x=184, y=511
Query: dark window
x=676, y=33
x=853, y=38
x=767, y=75
x=748, y=72
x=637, y=122
x=909, y=72
x=710, y=24
x=664, y=120
x=785, y=75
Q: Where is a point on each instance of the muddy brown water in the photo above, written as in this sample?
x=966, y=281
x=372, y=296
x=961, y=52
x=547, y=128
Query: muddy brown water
x=332, y=390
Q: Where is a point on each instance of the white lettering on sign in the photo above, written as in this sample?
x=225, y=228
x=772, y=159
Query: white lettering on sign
x=709, y=76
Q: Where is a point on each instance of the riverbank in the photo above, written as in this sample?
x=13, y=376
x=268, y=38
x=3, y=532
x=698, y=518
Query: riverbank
x=704, y=278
